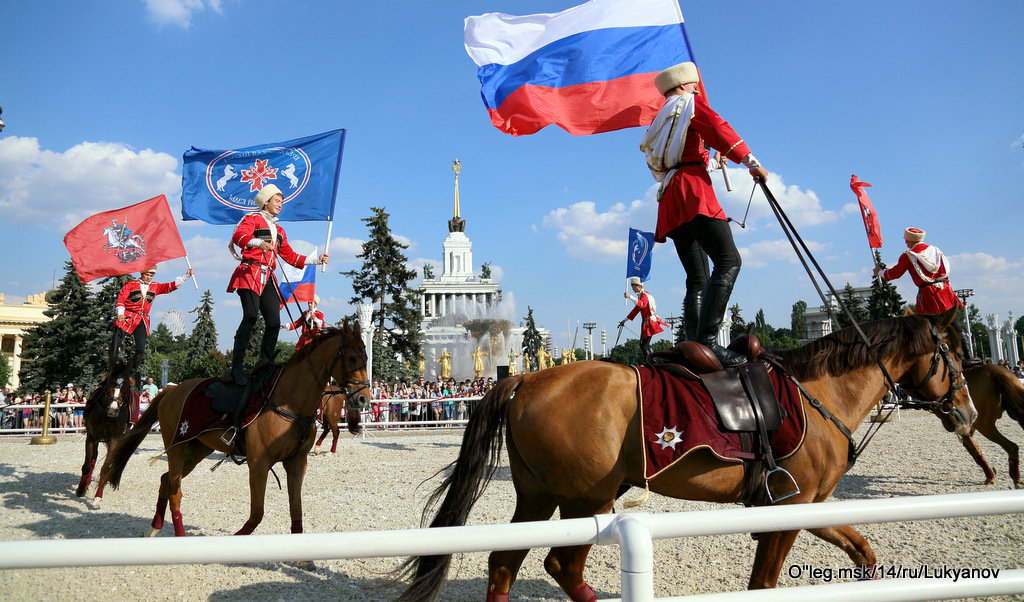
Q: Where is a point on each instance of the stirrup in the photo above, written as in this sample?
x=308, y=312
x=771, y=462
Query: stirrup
x=768, y=490
x=233, y=432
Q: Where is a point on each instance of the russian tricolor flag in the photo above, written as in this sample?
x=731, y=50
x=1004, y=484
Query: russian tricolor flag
x=588, y=69
x=298, y=285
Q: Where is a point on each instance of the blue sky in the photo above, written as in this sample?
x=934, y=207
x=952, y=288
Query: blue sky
x=923, y=100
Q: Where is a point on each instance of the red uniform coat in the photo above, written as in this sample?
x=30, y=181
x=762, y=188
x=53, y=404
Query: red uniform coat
x=309, y=327
x=934, y=293
x=690, y=193
x=651, y=324
x=136, y=305
x=257, y=267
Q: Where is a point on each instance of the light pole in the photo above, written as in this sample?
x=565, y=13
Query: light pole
x=672, y=322
x=590, y=326
x=964, y=294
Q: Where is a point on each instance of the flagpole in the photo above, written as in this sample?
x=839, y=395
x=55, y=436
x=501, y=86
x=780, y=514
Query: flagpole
x=189, y=264
x=327, y=245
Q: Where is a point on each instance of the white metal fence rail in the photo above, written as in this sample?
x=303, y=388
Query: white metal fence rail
x=633, y=532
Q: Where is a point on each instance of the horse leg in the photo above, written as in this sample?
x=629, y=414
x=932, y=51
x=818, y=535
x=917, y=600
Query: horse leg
x=257, y=491
x=850, y=541
x=566, y=564
x=503, y=566
x=1012, y=451
x=772, y=549
x=91, y=451
x=188, y=460
x=336, y=431
x=161, y=507
x=323, y=436
x=972, y=448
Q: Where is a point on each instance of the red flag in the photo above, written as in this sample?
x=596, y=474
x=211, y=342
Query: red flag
x=124, y=240
x=867, y=211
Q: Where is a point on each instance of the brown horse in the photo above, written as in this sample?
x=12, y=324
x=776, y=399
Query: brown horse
x=994, y=389
x=283, y=431
x=106, y=416
x=333, y=407
x=574, y=437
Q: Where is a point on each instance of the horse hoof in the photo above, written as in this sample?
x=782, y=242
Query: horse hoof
x=95, y=503
x=1018, y=485
x=990, y=481
x=152, y=532
x=306, y=565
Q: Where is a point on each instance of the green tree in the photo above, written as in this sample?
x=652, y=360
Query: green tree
x=762, y=329
x=629, y=353
x=5, y=370
x=197, y=355
x=798, y=320
x=72, y=346
x=532, y=341
x=885, y=301
x=387, y=367
x=384, y=279
x=739, y=325
x=203, y=338
x=854, y=304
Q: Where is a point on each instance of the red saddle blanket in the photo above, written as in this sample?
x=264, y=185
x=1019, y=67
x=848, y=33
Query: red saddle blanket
x=678, y=417
x=198, y=416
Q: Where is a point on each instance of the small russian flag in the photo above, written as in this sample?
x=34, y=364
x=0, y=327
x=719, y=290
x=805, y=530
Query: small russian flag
x=299, y=284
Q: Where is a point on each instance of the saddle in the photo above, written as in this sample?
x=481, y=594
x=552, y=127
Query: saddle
x=230, y=399
x=746, y=404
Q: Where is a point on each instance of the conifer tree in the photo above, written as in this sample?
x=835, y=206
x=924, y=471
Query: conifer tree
x=798, y=320
x=885, y=301
x=532, y=341
x=739, y=325
x=855, y=305
x=384, y=281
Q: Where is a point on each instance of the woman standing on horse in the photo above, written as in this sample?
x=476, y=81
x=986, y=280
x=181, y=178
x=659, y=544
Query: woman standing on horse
x=650, y=323
x=261, y=240
x=133, y=304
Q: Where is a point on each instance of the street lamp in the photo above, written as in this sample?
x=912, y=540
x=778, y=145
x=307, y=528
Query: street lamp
x=964, y=294
x=590, y=326
x=672, y=322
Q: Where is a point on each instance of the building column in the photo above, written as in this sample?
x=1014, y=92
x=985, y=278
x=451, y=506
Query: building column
x=366, y=328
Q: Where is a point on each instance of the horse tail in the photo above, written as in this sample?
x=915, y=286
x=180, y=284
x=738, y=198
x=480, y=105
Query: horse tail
x=122, y=450
x=1012, y=393
x=468, y=477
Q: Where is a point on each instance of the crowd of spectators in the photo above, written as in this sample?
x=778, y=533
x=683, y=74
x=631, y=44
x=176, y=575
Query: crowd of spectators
x=426, y=401
x=15, y=412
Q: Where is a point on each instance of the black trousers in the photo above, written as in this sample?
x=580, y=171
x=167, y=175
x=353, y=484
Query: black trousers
x=268, y=304
x=141, y=336
x=700, y=239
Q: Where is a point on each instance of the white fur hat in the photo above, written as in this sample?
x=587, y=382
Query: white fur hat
x=265, y=195
x=150, y=270
x=316, y=299
x=913, y=235
x=635, y=281
x=676, y=75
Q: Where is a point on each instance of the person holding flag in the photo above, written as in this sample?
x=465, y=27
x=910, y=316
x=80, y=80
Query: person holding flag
x=310, y=322
x=688, y=211
x=650, y=323
x=133, y=305
x=261, y=241
x=929, y=270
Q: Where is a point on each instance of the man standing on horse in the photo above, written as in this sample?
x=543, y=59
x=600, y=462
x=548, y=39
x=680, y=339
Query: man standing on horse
x=650, y=323
x=688, y=211
x=261, y=240
x=133, y=304
x=310, y=323
x=929, y=269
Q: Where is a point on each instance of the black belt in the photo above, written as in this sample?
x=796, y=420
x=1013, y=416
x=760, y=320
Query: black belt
x=254, y=262
x=936, y=281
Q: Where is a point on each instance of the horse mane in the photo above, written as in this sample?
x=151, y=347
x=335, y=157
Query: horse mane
x=322, y=336
x=844, y=350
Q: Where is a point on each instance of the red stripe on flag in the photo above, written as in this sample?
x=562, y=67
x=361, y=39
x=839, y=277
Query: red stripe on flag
x=126, y=240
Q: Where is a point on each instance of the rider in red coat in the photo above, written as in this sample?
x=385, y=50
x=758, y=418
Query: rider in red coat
x=929, y=269
x=261, y=240
x=133, y=304
x=688, y=211
x=650, y=323
x=310, y=323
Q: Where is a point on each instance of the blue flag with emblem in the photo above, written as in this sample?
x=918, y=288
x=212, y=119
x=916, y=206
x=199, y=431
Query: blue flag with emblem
x=638, y=254
x=218, y=186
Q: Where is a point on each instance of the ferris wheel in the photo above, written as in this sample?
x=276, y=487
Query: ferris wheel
x=174, y=322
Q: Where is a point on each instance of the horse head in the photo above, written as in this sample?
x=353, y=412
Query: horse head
x=114, y=391
x=349, y=367
x=936, y=376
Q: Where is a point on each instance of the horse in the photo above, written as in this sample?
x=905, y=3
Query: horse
x=333, y=405
x=106, y=416
x=282, y=432
x=574, y=438
x=993, y=389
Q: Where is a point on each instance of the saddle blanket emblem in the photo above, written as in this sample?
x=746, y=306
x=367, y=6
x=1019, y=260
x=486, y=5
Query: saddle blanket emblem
x=198, y=416
x=679, y=417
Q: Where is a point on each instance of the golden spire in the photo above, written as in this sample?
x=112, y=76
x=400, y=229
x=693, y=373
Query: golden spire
x=456, y=223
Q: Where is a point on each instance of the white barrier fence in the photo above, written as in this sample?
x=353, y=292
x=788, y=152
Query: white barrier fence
x=633, y=532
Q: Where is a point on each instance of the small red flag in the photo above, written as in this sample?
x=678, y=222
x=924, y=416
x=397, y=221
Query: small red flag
x=867, y=211
x=124, y=240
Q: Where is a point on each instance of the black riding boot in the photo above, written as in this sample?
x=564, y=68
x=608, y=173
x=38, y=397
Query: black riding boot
x=712, y=312
x=691, y=313
x=236, y=374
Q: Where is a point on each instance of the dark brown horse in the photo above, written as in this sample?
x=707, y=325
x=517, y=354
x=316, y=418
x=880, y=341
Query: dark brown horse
x=332, y=408
x=994, y=389
x=283, y=431
x=106, y=416
x=574, y=437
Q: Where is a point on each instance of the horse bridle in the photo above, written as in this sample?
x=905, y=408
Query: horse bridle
x=956, y=376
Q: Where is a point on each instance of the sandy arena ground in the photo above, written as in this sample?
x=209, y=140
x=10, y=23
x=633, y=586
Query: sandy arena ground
x=373, y=483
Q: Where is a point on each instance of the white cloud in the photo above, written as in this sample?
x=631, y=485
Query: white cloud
x=345, y=249
x=760, y=254
x=178, y=12
x=801, y=206
x=588, y=234
x=62, y=189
